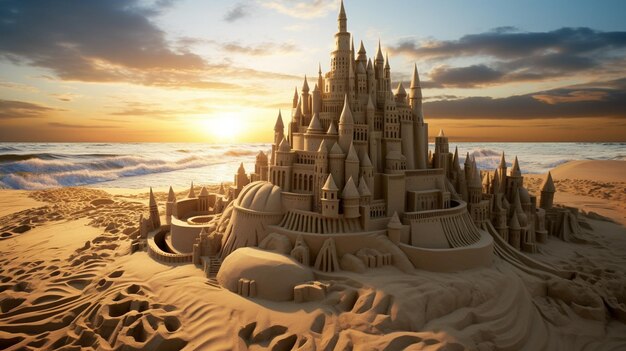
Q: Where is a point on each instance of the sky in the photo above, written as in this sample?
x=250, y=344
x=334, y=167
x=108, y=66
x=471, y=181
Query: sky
x=219, y=71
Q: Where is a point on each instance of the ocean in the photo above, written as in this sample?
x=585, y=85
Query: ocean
x=140, y=165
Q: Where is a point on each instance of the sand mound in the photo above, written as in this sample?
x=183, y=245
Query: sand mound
x=263, y=267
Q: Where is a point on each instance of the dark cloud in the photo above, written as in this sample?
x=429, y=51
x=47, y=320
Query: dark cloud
x=106, y=41
x=10, y=109
x=603, y=99
x=510, y=55
x=464, y=76
x=239, y=11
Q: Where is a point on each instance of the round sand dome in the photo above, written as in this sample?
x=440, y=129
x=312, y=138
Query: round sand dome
x=260, y=196
x=275, y=275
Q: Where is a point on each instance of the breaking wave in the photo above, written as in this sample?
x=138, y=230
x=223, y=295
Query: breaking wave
x=46, y=170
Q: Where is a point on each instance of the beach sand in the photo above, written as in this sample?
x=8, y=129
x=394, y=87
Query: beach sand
x=67, y=277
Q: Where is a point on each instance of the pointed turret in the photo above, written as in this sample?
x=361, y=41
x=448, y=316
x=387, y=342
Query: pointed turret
x=323, y=147
x=332, y=130
x=370, y=67
x=359, y=68
x=279, y=126
x=171, y=196
x=284, y=147
x=515, y=171
x=379, y=54
x=315, y=126
x=455, y=159
x=346, y=113
x=342, y=19
x=336, y=150
x=241, y=169
x=547, y=193
x=415, y=80
x=305, y=86
x=352, y=156
x=502, y=161
x=514, y=225
x=221, y=190
x=548, y=185
x=394, y=222
x=350, y=191
x=441, y=134
x=152, y=199
x=192, y=193
x=400, y=91
x=362, y=54
x=155, y=218
x=364, y=190
x=295, y=98
x=330, y=184
x=204, y=192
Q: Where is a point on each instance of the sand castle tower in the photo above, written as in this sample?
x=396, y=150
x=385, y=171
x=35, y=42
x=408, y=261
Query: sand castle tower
x=330, y=200
x=547, y=193
x=155, y=218
x=170, y=206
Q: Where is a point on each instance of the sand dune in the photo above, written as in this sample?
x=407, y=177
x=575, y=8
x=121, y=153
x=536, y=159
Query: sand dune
x=67, y=278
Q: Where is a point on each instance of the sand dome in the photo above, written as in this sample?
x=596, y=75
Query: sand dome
x=260, y=196
x=275, y=275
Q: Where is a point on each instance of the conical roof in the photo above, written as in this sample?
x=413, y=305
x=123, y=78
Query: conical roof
x=502, y=161
x=350, y=191
x=221, y=191
x=336, y=150
x=516, y=166
x=548, y=185
x=379, y=53
x=171, y=196
x=241, y=169
x=441, y=134
x=359, y=68
x=204, y=191
x=315, y=126
x=192, y=193
x=364, y=190
x=323, y=147
x=284, y=146
x=352, y=157
x=365, y=159
x=415, y=80
x=332, y=130
x=362, y=49
x=298, y=113
x=279, y=126
x=346, y=114
x=394, y=222
x=342, y=12
x=305, y=86
x=152, y=199
x=400, y=90
x=387, y=60
x=370, y=67
x=330, y=184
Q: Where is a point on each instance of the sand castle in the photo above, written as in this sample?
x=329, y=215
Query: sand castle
x=350, y=185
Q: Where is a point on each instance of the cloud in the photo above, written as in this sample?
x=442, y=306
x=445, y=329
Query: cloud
x=107, y=41
x=513, y=56
x=601, y=99
x=302, y=9
x=261, y=49
x=80, y=126
x=239, y=11
x=11, y=109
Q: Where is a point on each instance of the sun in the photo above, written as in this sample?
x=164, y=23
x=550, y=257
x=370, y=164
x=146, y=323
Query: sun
x=224, y=127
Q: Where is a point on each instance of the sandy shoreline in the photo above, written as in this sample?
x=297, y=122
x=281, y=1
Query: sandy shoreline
x=67, y=278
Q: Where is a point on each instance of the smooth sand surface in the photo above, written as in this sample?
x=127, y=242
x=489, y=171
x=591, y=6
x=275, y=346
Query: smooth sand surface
x=67, y=278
